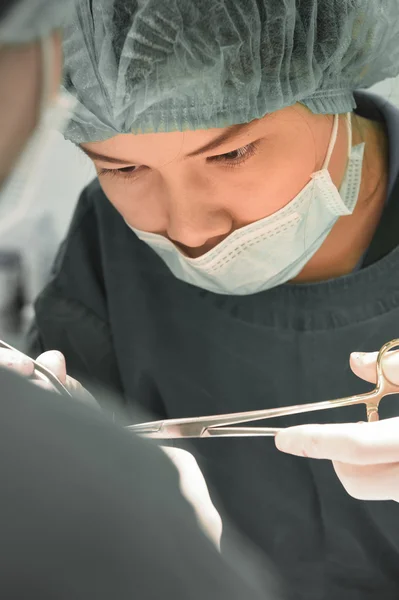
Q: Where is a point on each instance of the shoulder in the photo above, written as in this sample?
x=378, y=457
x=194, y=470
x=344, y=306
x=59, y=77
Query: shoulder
x=85, y=222
x=75, y=292
x=98, y=253
x=97, y=241
x=78, y=269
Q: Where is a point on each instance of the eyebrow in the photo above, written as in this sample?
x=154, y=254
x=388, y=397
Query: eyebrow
x=228, y=135
x=109, y=159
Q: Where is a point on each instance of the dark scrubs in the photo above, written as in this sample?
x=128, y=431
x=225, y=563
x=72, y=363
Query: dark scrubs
x=90, y=512
x=122, y=319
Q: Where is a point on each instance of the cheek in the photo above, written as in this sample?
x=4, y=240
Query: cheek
x=139, y=205
x=271, y=186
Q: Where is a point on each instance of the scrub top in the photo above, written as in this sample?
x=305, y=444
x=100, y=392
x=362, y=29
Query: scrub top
x=123, y=320
x=98, y=528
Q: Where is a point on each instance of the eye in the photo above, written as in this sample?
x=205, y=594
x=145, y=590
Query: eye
x=132, y=169
x=124, y=173
x=236, y=157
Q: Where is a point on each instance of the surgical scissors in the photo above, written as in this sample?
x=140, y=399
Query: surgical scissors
x=218, y=425
x=42, y=371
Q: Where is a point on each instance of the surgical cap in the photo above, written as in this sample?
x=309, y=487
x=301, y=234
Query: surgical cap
x=24, y=21
x=141, y=66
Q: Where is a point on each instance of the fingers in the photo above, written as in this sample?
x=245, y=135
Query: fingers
x=370, y=482
x=195, y=490
x=354, y=443
x=55, y=362
x=80, y=393
x=364, y=366
x=16, y=362
x=23, y=365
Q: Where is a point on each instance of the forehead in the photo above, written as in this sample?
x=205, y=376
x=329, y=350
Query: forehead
x=155, y=147
x=185, y=142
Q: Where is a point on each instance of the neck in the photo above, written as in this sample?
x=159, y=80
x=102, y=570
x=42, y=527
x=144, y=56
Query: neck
x=352, y=235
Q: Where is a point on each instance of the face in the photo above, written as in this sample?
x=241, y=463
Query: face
x=21, y=96
x=197, y=187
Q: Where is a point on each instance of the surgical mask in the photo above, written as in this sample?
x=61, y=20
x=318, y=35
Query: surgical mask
x=274, y=250
x=22, y=187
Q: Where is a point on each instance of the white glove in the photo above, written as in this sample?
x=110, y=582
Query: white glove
x=192, y=482
x=52, y=360
x=365, y=455
x=195, y=490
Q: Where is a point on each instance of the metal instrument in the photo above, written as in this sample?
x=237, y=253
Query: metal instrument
x=224, y=425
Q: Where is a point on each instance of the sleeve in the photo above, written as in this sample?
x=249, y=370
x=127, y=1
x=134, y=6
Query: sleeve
x=89, y=511
x=85, y=340
x=71, y=312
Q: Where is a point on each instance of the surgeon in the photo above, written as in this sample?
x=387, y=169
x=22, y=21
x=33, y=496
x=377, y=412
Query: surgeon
x=238, y=244
x=86, y=509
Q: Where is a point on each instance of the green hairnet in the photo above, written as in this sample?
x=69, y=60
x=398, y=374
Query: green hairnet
x=26, y=20
x=164, y=65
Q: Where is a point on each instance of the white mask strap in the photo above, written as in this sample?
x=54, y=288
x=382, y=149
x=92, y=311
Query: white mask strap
x=349, y=125
x=332, y=142
x=334, y=135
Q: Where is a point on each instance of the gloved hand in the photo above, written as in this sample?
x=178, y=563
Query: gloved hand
x=52, y=360
x=365, y=455
x=192, y=482
x=195, y=490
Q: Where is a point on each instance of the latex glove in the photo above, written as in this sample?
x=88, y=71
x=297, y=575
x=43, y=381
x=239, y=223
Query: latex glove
x=52, y=360
x=195, y=490
x=365, y=455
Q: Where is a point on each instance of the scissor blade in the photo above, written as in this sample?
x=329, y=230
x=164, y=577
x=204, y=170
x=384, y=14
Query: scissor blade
x=171, y=429
x=146, y=429
x=241, y=432
x=194, y=427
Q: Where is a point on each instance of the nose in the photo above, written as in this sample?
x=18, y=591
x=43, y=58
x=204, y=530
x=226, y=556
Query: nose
x=198, y=237
x=196, y=224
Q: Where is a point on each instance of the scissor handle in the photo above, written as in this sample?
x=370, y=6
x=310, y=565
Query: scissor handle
x=384, y=385
x=381, y=377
